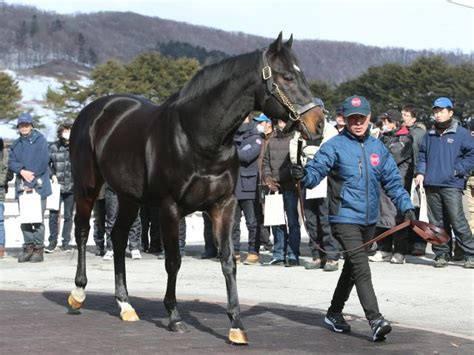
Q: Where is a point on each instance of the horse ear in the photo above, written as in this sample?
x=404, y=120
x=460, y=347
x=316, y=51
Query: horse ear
x=277, y=44
x=289, y=43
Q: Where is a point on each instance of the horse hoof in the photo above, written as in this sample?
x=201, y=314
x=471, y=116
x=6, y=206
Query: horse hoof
x=129, y=316
x=73, y=303
x=238, y=336
x=179, y=327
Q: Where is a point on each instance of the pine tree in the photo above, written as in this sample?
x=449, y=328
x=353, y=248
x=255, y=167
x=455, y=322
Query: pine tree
x=10, y=94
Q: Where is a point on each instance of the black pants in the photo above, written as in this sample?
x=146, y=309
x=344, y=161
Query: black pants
x=398, y=242
x=316, y=212
x=99, y=223
x=248, y=208
x=356, y=270
x=54, y=220
x=209, y=243
x=150, y=220
x=111, y=208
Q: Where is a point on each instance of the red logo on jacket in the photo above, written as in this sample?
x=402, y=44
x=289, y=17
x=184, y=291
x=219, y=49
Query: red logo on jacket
x=374, y=159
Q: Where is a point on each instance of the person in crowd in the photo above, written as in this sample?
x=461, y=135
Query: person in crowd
x=410, y=115
x=340, y=121
x=445, y=161
x=276, y=175
x=357, y=164
x=134, y=235
x=399, y=143
x=5, y=176
x=151, y=232
x=316, y=210
x=99, y=223
x=28, y=159
x=265, y=127
x=60, y=170
x=248, y=141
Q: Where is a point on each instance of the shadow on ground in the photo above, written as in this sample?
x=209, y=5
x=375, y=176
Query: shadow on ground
x=41, y=323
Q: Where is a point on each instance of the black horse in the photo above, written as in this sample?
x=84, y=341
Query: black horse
x=180, y=157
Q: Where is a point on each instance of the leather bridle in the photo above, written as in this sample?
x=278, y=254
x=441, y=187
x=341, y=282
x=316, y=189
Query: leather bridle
x=274, y=90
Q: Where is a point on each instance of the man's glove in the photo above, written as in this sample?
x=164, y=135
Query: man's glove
x=409, y=215
x=297, y=172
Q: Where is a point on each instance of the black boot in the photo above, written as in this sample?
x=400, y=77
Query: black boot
x=26, y=254
x=37, y=256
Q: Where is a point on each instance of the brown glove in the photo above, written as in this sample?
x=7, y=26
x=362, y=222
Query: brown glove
x=272, y=183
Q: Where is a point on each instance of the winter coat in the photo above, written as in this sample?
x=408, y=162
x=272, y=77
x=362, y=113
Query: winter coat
x=417, y=131
x=356, y=168
x=5, y=174
x=248, y=141
x=400, y=146
x=31, y=153
x=60, y=165
x=446, y=159
x=276, y=161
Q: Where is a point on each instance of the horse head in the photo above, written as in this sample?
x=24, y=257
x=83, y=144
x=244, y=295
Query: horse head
x=288, y=96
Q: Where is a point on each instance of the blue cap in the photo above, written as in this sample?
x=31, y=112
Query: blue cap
x=355, y=105
x=25, y=118
x=262, y=118
x=442, y=102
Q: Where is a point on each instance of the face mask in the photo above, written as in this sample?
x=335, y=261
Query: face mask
x=261, y=129
x=66, y=135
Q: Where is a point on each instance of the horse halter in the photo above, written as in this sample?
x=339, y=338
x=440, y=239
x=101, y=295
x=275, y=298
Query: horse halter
x=274, y=90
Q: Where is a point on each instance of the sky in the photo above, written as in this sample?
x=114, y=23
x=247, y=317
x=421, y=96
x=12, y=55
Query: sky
x=412, y=24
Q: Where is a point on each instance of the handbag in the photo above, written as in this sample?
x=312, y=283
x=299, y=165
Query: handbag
x=423, y=206
x=53, y=201
x=30, y=207
x=274, y=211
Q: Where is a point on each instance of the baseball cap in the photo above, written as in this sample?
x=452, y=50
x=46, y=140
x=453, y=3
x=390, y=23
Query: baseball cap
x=25, y=117
x=355, y=105
x=392, y=115
x=442, y=102
x=262, y=118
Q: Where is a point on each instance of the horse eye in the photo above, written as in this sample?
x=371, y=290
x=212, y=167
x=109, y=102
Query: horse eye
x=288, y=77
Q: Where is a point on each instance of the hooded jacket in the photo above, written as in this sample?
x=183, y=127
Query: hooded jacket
x=356, y=168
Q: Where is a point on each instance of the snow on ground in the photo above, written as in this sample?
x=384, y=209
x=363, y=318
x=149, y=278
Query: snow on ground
x=33, y=89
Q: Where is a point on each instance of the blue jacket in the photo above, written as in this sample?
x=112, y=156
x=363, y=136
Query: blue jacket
x=248, y=141
x=356, y=168
x=31, y=153
x=446, y=159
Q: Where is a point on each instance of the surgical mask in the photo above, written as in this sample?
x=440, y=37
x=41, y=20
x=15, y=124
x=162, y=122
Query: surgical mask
x=66, y=135
x=261, y=129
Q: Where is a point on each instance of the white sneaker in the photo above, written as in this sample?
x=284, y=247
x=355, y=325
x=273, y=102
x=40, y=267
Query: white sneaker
x=136, y=254
x=380, y=256
x=109, y=255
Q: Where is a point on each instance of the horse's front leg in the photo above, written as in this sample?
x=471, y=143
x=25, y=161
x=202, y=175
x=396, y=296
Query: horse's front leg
x=169, y=223
x=222, y=219
x=81, y=233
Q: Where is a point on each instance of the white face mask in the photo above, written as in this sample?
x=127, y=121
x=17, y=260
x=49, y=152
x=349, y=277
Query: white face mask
x=66, y=135
x=261, y=129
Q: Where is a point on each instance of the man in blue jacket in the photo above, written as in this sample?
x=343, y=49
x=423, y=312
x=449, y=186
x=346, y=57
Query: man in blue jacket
x=29, y=159
x=356, y=165
x=445, y=161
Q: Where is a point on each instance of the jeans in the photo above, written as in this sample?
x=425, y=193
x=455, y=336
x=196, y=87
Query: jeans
x=33, y=233
x=317, y=222
x=288, y=242
x=445, y=208
x=248, y=208
x=111, y=208
x=54, y=220
x=2, y=224
x=356, y=270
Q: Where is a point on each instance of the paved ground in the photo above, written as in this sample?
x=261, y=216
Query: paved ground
x=283, y=308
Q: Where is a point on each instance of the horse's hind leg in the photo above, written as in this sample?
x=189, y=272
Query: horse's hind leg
x=127, y=213
x=169, y=223
x=84, y=206
x=222, y=217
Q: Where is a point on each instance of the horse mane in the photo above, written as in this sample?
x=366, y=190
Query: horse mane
x=212, y=75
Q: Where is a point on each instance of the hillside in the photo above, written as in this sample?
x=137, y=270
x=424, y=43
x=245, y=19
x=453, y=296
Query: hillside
x=30, y=37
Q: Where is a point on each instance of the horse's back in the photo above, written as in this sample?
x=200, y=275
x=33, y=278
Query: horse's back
x=109, y=139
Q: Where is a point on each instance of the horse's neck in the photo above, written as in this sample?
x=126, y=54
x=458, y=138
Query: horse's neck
x=218, y=110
